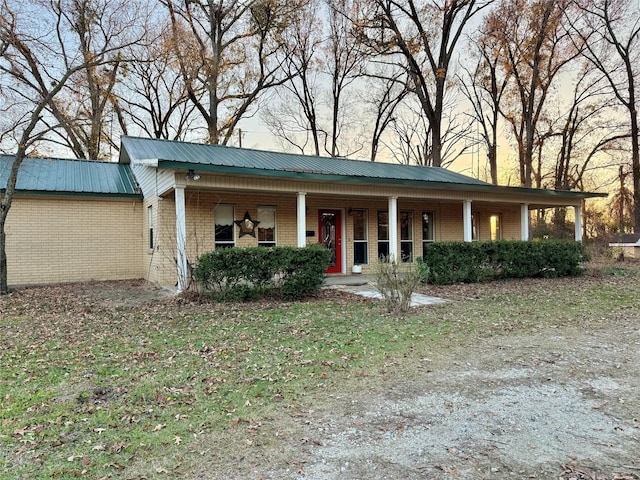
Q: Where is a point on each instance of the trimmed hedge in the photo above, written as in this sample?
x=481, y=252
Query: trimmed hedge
x=445, y=263
x=236, y=274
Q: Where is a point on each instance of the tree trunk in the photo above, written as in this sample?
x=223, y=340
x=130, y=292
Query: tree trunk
x=635, y=168
x=4, y=287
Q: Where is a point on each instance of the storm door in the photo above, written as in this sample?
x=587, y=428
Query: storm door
x=330, y=236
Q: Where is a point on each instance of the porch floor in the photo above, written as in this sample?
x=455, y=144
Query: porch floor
x=360, y=279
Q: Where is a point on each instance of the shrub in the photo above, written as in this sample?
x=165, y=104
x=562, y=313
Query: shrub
x=396, y=284
x=454, y=262
x=237, y=274
x=305, y=274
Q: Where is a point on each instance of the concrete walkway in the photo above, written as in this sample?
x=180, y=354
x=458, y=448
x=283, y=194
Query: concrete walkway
x=364, y=285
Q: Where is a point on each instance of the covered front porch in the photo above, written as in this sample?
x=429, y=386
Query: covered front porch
x=359, y=227
x=203, y=197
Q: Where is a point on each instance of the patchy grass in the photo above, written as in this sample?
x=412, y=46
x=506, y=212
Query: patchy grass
x=95, y=386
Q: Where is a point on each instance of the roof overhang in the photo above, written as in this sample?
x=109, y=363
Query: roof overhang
x=538, y=198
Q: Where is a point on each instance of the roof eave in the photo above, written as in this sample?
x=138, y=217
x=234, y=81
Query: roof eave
x=472, y=187
x=76, y=193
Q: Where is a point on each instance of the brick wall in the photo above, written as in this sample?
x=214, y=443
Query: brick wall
x=52, y=239
x=200, y=205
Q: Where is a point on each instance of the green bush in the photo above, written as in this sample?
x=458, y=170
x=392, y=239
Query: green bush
x=454, y=262
x=238, y=274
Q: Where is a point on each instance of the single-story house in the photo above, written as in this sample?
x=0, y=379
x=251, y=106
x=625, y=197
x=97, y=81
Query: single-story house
x=152, y=214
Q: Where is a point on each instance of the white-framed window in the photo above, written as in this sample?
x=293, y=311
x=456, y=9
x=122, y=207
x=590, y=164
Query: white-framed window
x=360, y=236
x=428, y=228
x=151, y=226
x=224, y=234
x=406, y=236
x=267, y=226
x=383, y=234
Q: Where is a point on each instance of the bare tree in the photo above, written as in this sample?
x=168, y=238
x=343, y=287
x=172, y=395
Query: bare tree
x=228, y=56
x=384, y=94
x=344, y=63
x=621, y=203
x=424, y=35
x=411, y=142
x=611, y=31
x=316, y=106
x=153, y=96
x=534, y=47
x=294, y=117
x=36, y=66
x=80, y=113
x=484, y=88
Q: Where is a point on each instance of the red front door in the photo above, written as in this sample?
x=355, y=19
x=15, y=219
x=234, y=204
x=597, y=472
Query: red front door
x=330, y=232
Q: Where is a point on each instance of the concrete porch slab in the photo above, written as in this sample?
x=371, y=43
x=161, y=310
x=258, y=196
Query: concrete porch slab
x=363, y=285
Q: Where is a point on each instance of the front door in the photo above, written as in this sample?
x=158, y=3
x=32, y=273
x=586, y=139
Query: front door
x=330, y=231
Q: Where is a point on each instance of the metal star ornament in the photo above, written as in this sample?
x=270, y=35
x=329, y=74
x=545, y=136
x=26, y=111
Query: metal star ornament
x=247, y=226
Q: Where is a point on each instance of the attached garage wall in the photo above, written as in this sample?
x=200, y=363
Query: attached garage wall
x=53, y=239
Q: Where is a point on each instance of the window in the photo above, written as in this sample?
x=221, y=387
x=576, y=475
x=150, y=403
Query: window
x=224, y=233
x=383, y=234
x=406, y=236
x=428, y=235
x=150, y=219
x=360, y=237
x=267, y=226
x=496, y=227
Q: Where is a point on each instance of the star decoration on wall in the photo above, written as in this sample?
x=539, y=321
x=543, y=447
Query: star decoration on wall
x=247, y=226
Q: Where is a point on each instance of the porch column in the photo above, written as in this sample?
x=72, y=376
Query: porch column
x=524, y=221
x=393, y=229
x=578, y=227
x=302, y=219
x=466, y=221
x=181, y=238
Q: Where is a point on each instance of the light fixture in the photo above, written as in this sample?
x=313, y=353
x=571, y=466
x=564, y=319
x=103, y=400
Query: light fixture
x=192, y=175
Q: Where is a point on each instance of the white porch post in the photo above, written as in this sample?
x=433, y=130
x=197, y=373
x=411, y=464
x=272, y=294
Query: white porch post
x=578, y=228
x=393, y=229
x=466, y=220
x=302, y=219
x=524, y=221
x=181, y=238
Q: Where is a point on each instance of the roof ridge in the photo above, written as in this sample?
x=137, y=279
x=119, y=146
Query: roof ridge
x=291, y=154
x=85, y=160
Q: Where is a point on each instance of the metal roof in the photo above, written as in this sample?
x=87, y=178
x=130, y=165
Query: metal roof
x=193, y=155
x=203, y=157
x=55, y=175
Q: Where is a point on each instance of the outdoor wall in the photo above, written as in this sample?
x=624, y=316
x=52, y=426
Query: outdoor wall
x=53, y=239
x=160, y=262
x=200, y=206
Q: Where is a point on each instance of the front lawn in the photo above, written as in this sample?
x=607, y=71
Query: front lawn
x=97, y=387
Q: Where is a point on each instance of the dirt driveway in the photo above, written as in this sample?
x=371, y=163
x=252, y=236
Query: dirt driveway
x=529, y=406
x=560, y=402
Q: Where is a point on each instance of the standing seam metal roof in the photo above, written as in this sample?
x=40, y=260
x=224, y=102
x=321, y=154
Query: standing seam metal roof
x=57, y=175
x=195, y=154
